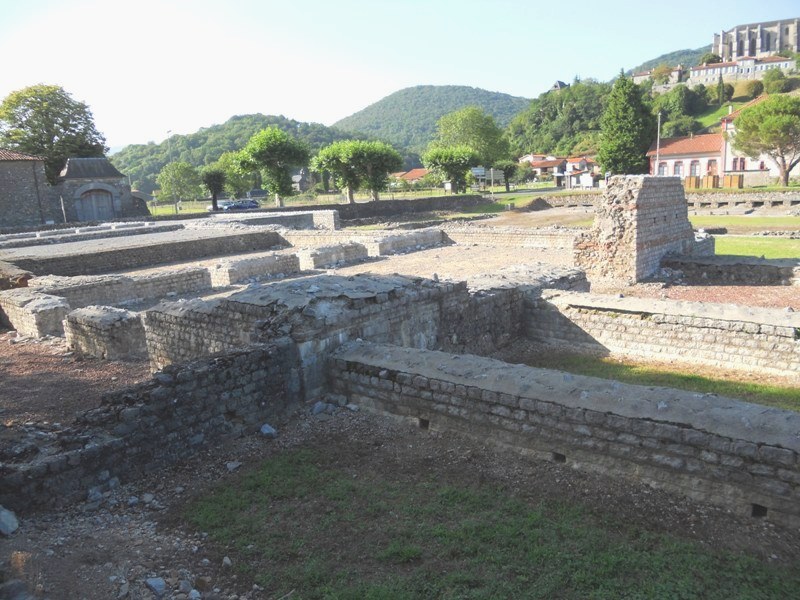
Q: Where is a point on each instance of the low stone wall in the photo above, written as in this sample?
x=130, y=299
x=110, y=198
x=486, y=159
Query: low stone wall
x=717, y=335
x=331, y=256
x=390, y=208
x=153, y=425
x=743, y=200
x=550, y=238
x=230, y=272
x=736, y=270
x=119, y=259
x=318, y=219
x=81, y=234
x=404, y=242
x=561, y=200
x=120, y=289
x=712, y=449
x=32, y=313
x=106, y=333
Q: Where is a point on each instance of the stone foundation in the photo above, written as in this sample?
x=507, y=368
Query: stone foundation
x=735, y=270
x=331, y=256
x=711, y=449
x=230, y=272
x=106, y=333
x=747, y=339
x=32, y=313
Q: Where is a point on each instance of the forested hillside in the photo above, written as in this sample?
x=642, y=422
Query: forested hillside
x=687, y=58
x=142, y=162
x=562, y=122
x=408, y=117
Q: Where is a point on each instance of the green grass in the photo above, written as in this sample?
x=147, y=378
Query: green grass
x=746, y=222
x=769, y=395
x=768, y=247
x=713, y=114
x=300, y=525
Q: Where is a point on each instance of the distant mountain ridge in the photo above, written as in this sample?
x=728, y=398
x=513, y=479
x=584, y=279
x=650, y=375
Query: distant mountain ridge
x=407, y=118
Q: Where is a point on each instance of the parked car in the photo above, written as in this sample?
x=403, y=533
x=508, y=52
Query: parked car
x=221, y=205
x=242, y=205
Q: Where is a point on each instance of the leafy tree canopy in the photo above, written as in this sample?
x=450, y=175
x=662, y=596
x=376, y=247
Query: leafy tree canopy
x=472, y=127
x=775, y=82
x=661, y=73
x=357, y=163
x=709, y=58
x=559, y=121
x=275, y=153
x=687, y=58
x=142, y=162
x=214, y=181
x=771, y=128
x=44, y=120
x=407, y=118
x=179, y=181
x=627, y=130
x=452, y=162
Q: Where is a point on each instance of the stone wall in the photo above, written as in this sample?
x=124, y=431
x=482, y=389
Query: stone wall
x=153, y=425
x=331, y=256
x=24, y=199
x=79, y=234
x=404, y=242
x=105, y=261
x=735, y=270
x=124, y=205
x=717, y=335
x=32, y=313
x=549, y=238
x=743, y=200
x=234, y=271
x=637, y=222
x=392, y=208
x=106, y=333
x=318, y=219
x=738, y=455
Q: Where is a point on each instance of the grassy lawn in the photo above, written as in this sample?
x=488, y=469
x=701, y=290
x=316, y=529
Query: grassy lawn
x=715, y=113
x=305, y=528
x=742, y=245
x=769, y=395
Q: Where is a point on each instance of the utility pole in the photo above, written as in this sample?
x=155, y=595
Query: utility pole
x=658, y=145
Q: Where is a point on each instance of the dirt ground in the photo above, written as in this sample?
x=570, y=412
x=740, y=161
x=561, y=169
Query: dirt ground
x=109, y=552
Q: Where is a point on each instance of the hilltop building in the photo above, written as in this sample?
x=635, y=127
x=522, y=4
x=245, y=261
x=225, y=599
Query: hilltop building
x=757, y=40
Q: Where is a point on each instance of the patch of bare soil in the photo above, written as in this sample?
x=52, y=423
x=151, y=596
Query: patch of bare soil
x=766, y=296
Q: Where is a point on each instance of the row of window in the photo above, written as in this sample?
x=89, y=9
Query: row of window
x=739, y=164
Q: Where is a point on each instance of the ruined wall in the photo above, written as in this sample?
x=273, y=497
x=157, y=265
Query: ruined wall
x=24, y=200
x=79, y=234
x=735, y=270
x=229, y=272
x=550, y=238
x=727, y=336
x=638, y=221
x=32, y=313
x=151, y=426
x=718, y=450
x=331, y=256
x=105, y=332
x=120, y=259
x=743, y=200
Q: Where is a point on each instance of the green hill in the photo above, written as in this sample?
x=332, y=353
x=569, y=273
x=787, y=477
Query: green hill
x=407, y=118
x=687, y=58
x=142, y=162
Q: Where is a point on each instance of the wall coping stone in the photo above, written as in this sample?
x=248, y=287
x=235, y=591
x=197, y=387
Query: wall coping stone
x=708, y=412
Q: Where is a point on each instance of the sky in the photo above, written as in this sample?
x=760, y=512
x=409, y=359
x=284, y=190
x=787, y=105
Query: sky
x=147, y=68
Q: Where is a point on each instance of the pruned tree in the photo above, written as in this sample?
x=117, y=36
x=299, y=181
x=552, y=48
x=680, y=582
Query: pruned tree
x=378, y=160
x=214, y=179
x=238, y=181
x=472, y=127
x=276, y=153
x=44, y=120
x=509, y=169
x=452, y=162
x=771, y=128
x=627, y=129
x=178, y=181
x=357, y=163
x=339, y=159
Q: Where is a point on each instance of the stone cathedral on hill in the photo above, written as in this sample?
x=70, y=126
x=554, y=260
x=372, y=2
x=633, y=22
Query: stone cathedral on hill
x=757, y=40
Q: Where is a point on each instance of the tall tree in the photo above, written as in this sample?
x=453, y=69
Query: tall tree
x=472, y=127
x=452, y=162
x=44, y=120
x=276, y=153
x=509, y=169
x=339, y=159
x=178, y=181
x=237, y=180
x=214, y=180
x=378, y=160
x=626, y=129
x=771, y=128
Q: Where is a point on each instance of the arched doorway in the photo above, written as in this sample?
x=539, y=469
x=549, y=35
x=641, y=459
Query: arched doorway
x=95, y=205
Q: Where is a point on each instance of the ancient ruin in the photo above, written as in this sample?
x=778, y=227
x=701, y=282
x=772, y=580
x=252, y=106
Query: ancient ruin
x=243, y=318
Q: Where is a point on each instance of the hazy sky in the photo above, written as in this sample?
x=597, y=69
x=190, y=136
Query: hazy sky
x=148, y=66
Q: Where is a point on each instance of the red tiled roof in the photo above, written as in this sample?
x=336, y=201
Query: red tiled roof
x=537, y=164
x=769, y=59
x=11, y=155
x=413, y=174
x=699, y=144
x=715, y=65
